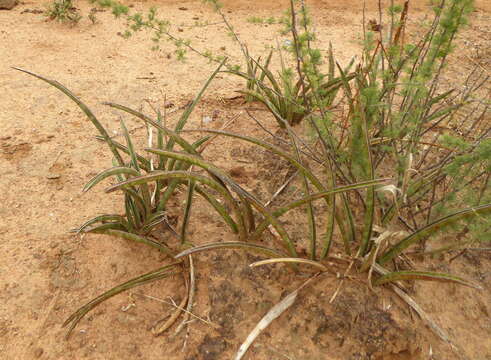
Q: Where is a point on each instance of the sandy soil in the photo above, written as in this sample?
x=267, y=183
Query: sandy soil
x=48, y=152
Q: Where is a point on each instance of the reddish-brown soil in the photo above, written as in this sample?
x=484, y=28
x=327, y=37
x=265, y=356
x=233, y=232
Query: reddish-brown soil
x=48, y=152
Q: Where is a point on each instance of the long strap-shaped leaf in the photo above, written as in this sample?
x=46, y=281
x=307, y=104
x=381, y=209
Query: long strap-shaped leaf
x=118, y=170
x=178, y=139
x=102, y=228
x=133, y=237
x=143, y=163
x=430, y=228
x=85, y=109
x=232, y=245
x=185, y=116
x=173, y=135
x=283, y=210
x=290, y=260
x=236, y=188
x=423, y=275
x=274, y=149
x=158, y=274
x=369, y=171
x=219, y=208
x=185, y=175
x=101, y=219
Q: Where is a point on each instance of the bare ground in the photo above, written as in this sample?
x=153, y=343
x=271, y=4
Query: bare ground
x=48, y=152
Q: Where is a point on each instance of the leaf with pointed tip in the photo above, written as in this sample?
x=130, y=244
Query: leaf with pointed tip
x=231, y=245
x=135, y=238
x=158, y=274
x=130, y=147
x=294, y=204
x=101, y=219
x=185, y=175
x=198, y=161
x=105, y=227
x=143, y=163
x=119, y=170
x=423, y=275
x=187, y=210
x=402, y=245
x=185, y=116
x=84, y=108
x=290, y=260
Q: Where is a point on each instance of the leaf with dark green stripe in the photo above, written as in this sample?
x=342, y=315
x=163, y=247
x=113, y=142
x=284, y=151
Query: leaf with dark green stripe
x=231, y=245
x=219, y=208
x=154, y=220
x=158, y=274
x=423, y=275
x=119, y=170
x=85, y=109
x=294, y=204
x=143, y=163
x=135, y=238
x=101, y=219
x=236, y=188
x=129, y=144
x=159, y=175
x=101, y=228
x=187, y=210
x=418, y=235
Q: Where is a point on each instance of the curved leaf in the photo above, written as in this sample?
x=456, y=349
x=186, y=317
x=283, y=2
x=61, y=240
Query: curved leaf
x=274, y=149
x=159, y=175
x=230, y=245
x=423, y=275
x=177, y=138
x=136, y=238
x=283, y=210
x=219, y=208
x=431, y=228
x=102, y=228
x=143, y=163
x=158, y=274
x=102, y=219
x=85, y=109
x=290, y=260
x=236, y=188
x=118, y=170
